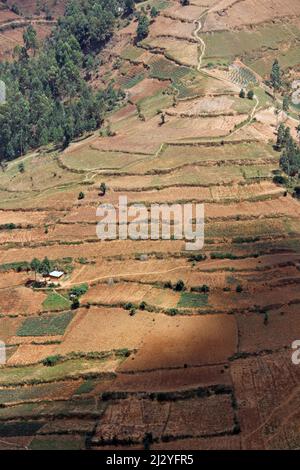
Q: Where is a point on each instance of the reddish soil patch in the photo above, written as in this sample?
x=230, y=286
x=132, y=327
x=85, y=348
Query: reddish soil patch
x=171, y=380
x=21, y=301
x=267, y=392
x=129, y=420
x=279, y=332
x=176, y=341
x=147, y=87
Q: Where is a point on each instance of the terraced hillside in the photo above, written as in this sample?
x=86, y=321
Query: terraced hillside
x=141, y=361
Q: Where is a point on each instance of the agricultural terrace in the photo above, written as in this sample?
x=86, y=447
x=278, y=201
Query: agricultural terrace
x=140, y=343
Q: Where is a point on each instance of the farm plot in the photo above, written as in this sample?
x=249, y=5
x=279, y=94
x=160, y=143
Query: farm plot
x=213, y=106
x=231, y=44
x=98, y=249
x=239, y=14
x=46, y=325
x=21, y=300
x=165, y=26
x=91, y=158
x=130, y=292
x=128, y=421
x=267, y=392
x=105, y=329
x=75, y=368
x=279, y=331
x=30, y=354
x=148, y=87
x=269, y=227
x=60, y=442
x=170, y=380
x=188, y=175
x=176, y=341
x=54, y=391
x=41, y=172
x=27, y=217
x=183, y=52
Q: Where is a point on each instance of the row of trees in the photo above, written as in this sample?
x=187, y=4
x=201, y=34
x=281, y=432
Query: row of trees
x=48, y=99
x=290, y=156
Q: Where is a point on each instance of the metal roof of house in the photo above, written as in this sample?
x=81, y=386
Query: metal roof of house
x=56, y=274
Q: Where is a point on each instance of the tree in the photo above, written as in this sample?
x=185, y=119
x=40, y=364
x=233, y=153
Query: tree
x=143, y=27
x=80, y=196
x=103, y=189
x=250, y=95
x=280, y=136
x=129, y=7
x=275, y=77
x=286, y=103
x=154, y=12
x=30, y=39
x=242, y=93
x=35, y=266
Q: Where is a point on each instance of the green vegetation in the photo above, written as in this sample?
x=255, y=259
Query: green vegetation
x=86, y=387
x=192, y=300
x=56, y=301
x=46, y=325
x=78, y=291
x=48, y=99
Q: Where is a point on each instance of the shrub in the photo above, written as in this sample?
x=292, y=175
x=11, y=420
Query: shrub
x=51, y=361
x=179, y=286
x=239, y=289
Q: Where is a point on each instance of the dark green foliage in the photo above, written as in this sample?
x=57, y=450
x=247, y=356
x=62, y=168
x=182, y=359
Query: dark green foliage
x=78, y=291
x=47, y=97
x=275, y=77
x=290, y=157
x=143, y=27
x=179, y=286
x=51, y=361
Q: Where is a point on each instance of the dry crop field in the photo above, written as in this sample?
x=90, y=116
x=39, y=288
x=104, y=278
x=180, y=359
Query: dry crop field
x=203, y=363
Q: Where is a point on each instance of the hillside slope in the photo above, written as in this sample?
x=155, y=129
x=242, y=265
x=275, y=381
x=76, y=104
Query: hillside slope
x=141, y=361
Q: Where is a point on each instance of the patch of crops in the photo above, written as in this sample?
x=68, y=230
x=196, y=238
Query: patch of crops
x=191, y=300
x=50, y=325
x=163, y=69
x=28, y=428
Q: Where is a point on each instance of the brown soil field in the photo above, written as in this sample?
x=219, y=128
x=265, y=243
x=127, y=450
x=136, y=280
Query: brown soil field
x=12, y=279
x=9, y=327
x=94, y=250
x=104, y=329
x=28, y=7
x=171, y=380
x=135, y=136
x=267, y=392
x=164, y=26
x=28, y=354
x=130, y=292
x=194, y=341
x=278, y=333
x=21, y=300
x=188, y=13
x=146, y=87
x=130, y=420
x=245, y=13
x=216, y=373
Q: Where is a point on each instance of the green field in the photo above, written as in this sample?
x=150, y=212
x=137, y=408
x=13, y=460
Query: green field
x=56, y=301
x=191, y=300
x=50, y=325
